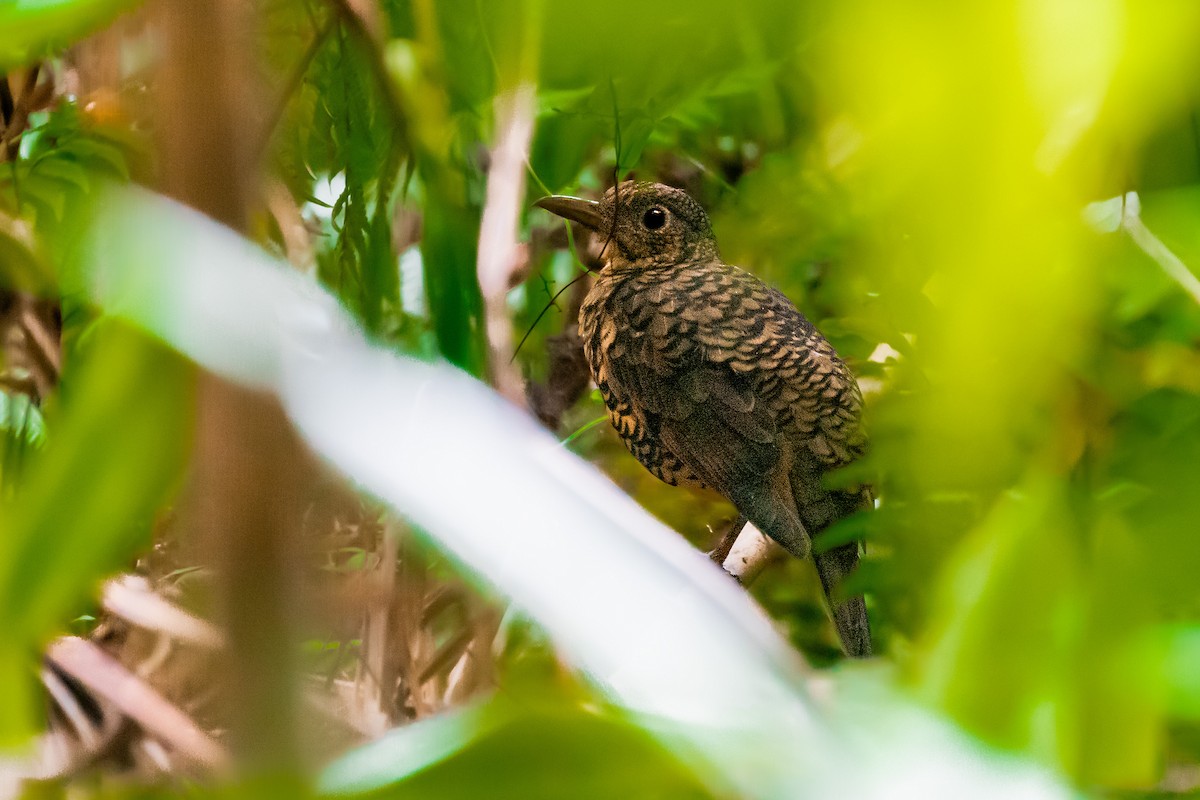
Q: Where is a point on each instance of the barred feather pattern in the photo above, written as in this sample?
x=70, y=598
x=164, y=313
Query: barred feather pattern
x=664, y=339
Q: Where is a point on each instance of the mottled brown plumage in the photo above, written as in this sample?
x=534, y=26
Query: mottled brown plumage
x=711, y=377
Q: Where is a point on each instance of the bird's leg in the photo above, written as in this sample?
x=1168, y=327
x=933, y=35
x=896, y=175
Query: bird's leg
x=719, y=553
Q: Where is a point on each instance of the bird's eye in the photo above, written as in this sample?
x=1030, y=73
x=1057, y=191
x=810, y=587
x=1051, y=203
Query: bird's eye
x=654, y=218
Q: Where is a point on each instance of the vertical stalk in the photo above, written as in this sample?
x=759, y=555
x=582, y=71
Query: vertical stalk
x=451, y=220
x=248, y=464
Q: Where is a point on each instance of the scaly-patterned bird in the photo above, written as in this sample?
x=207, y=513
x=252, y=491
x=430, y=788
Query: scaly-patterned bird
x=713, y=378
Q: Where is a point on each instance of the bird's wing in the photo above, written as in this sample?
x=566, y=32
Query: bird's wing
x=718, y=427
x=816, y=392
x=685, y=352
x=678, y=332
x=708, y=418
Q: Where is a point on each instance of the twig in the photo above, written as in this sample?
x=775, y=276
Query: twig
x=498, y=245
x=542, y=313
x=43, y=344
x=133, y=697
x=1131, y=221
x=377, y=669
x=10, y=135
x=751, y=554
x=131, y=598
x=1125, y=213
x=71, y=708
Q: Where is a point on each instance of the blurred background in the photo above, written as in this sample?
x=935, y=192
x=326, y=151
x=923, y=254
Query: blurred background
x=991, y=209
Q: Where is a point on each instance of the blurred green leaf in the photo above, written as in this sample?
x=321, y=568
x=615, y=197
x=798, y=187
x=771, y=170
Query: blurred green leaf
x=63, y=157
x=19, y=267
x=22, y=433
x=87, y=504
x=1182, y=653
x=501, y=750
x=1007, y=593
x=32, y=28
x=21, y=419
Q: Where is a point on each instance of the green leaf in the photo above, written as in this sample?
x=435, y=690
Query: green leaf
x=501, y=751
x=60, y=169
x=1003, y=597
x=20, y=268
x=22, y=433
x=451, y=282
x=88, y=502
x=33, y=28
x=102, y=156
x=20, y=418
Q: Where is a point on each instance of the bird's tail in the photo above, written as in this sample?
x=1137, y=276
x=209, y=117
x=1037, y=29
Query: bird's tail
x=850, y=613
x=793, y=510
x=818, y=508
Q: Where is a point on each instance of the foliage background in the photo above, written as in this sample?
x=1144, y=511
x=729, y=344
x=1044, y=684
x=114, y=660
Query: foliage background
x=990, y=209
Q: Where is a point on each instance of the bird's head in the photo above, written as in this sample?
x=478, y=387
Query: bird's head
x=641, y=224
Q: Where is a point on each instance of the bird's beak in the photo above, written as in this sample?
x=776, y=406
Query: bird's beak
x=585, y=212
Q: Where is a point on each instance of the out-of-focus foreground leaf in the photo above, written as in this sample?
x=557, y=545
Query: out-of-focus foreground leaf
x=88, y=500
x=1025, y=448
x=462, y=754
x=33, y=27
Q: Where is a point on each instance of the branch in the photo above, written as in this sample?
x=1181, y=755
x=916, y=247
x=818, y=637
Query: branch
x=499, y=250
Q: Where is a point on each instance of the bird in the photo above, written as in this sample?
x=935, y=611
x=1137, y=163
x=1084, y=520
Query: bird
x=713, y=378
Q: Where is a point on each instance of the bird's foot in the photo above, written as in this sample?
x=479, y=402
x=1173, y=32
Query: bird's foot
x=721, y=552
